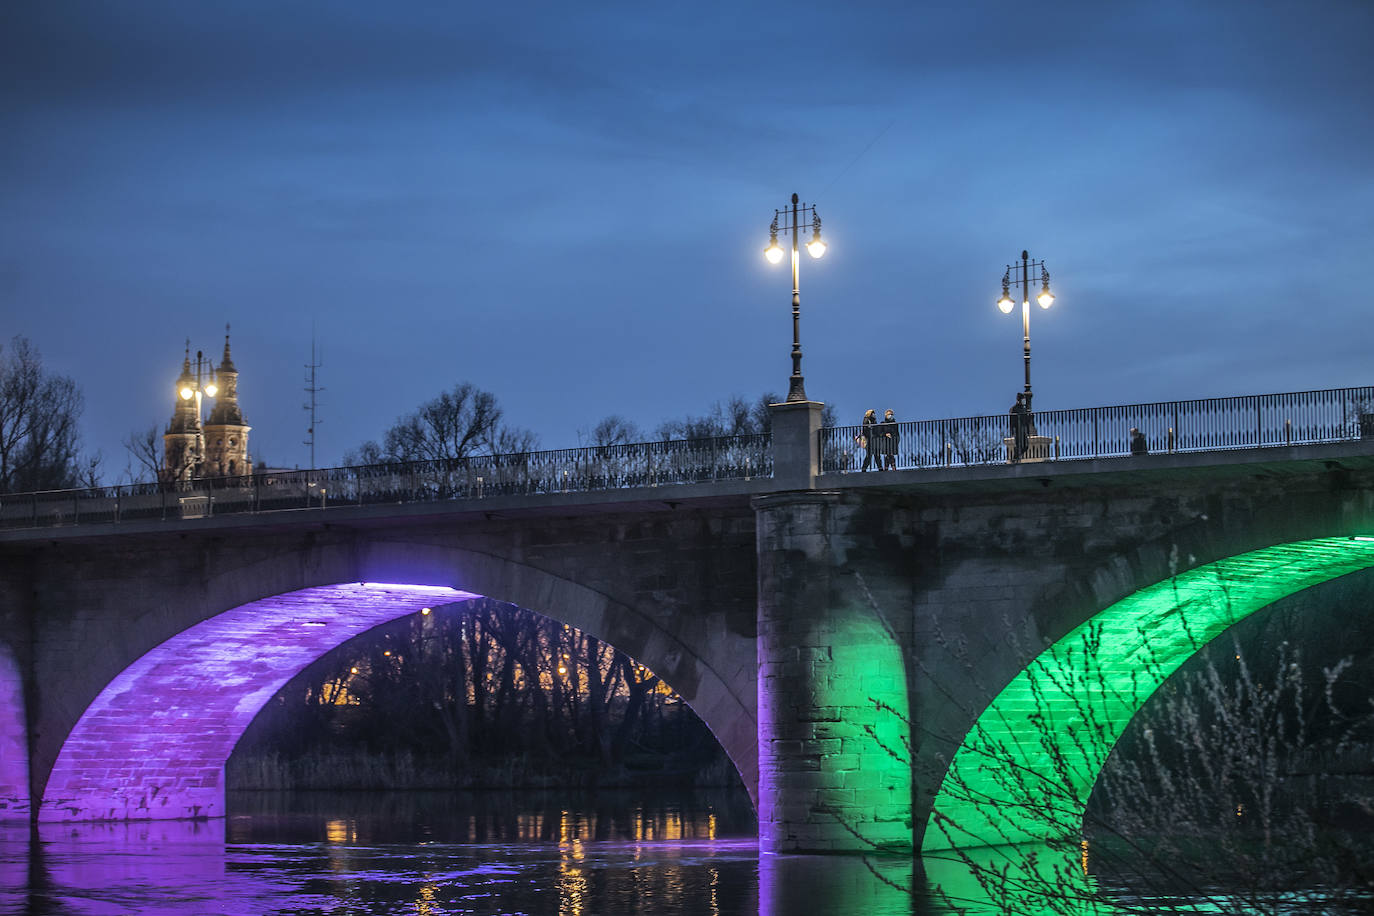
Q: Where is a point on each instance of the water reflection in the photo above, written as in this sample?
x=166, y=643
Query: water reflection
x=442, y=854
x=869, y=885
x=1030, y=880
x=407, y=853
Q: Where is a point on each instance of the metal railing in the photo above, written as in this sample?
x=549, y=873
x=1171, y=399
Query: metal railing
x=1212, y=424
x=596, y=468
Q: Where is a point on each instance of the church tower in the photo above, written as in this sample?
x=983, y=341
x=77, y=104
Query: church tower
x=226, y=435
x=179, y=443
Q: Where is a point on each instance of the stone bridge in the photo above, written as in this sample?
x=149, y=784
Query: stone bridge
x=844, y=635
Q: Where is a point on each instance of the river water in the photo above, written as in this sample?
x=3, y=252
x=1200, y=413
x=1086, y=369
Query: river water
x=443, y=854
x=612, y=854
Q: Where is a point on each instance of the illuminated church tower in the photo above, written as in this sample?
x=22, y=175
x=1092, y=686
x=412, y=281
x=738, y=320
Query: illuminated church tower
x=226, y=435
x=180, y=444
x=220, y=447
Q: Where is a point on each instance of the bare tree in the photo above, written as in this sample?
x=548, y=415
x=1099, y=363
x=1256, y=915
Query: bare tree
x=457, y=424
x=615, y=430
x=735, y=417
x=511, y=440
x=40, y=446
x=145, y=455
x=370, y=452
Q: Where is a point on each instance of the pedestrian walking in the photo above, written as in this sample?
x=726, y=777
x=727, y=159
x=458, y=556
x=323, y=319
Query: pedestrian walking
x=866, y=440
x=888, y=437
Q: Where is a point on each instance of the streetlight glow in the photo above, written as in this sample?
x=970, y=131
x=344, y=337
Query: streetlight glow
x=1022, y=273
x=1046, y=298
x=194, y=388
x=790, y=219
x=815, y=247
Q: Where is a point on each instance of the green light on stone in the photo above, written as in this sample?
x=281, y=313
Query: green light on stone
x=1025, y=770
x=863, y=736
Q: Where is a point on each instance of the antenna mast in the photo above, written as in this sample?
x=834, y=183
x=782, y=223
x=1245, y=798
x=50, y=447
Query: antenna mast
x=312, y=389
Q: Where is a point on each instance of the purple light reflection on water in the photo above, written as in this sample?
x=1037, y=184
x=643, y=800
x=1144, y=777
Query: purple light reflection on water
x=174, y=868
x=154, y=742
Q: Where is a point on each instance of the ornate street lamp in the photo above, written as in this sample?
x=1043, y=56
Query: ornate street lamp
x=196, y=388
x=791, y=221
x=1022, y=272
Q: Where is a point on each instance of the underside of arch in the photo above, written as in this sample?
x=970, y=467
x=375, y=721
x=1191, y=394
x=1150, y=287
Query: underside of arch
x=154, y=742
x=1025, y=770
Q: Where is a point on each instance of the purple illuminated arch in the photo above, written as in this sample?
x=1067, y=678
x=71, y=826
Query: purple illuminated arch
x=153, y=743
x=14, y=750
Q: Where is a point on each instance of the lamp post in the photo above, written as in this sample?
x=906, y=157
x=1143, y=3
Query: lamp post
x=1006, y=304
x=194, y=389
x=791, y=221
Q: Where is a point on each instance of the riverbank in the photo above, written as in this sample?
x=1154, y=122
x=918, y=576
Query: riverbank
x=402, y=771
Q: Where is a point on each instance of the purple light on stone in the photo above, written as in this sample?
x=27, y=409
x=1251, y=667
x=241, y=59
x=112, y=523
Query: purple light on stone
x=14, y=748
x=415, y=589
x=153, y=743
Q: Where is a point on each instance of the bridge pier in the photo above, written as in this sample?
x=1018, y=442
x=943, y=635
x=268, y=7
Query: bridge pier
x=834, y=733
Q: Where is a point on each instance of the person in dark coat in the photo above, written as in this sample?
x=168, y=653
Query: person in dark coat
x=1020, y=432
x=868, y=440
x=888, y=436
x=1138, y=444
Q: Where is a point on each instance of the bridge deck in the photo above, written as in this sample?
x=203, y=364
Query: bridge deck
x=1269, y=462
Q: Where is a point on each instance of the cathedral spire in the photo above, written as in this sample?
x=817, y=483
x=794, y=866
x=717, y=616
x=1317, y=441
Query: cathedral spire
x=226, y=432
x=227, y=362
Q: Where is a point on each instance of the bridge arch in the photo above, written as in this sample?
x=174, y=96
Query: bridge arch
x=153, y=743
x=1010, y=781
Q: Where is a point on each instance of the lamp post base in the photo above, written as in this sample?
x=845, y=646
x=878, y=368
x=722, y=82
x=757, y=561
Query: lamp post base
x=1037, y=448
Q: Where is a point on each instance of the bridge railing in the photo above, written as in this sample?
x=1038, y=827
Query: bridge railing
x=595, y=468
x=1211, y=424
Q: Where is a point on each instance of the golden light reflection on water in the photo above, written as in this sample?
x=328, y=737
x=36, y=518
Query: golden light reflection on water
x=338, y=832
x=529, y=827
x=650, y=836
x=572, y=879
x=666, y=827
x=425, y=903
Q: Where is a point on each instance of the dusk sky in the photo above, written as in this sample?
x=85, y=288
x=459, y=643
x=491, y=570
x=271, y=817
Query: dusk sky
x=567, y=204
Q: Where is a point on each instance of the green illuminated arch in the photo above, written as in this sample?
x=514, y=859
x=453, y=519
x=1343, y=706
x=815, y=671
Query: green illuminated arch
x=1025, y=770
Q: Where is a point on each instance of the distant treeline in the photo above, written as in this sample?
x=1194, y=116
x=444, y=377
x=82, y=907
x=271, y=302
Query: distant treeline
x=476, y=694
